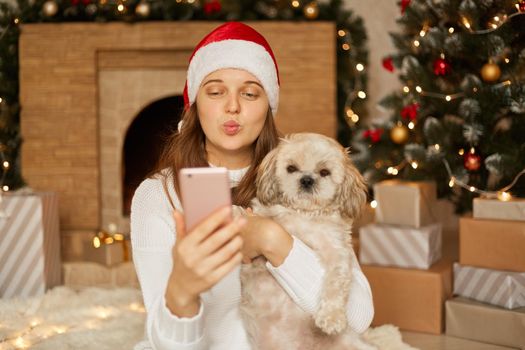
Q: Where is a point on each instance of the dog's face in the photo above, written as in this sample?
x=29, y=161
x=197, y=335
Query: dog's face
x=311, y=172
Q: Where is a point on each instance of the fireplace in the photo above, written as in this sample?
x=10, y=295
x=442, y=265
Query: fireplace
x=98, y=98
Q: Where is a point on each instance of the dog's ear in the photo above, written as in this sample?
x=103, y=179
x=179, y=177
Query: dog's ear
x=266, y=182
x=353, y=193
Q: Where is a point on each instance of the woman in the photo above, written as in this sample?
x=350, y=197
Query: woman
x=190, y=280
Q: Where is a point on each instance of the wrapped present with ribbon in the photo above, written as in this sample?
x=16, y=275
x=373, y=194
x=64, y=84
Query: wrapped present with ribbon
x=406, y=203
x=30, y=260
x=389, y=245
x=108, y=247
x=496, y=287
x=505, y=209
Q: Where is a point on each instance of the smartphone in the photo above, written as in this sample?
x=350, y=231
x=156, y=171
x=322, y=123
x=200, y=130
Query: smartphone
x=203, y=191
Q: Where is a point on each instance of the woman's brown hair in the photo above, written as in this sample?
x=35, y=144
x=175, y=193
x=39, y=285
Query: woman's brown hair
x=186, y=149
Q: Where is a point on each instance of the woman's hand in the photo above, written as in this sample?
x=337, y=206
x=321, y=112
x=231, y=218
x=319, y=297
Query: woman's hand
x=201, y=258
x=263, y=236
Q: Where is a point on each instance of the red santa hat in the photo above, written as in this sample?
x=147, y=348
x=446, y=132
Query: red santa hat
x=233, y=45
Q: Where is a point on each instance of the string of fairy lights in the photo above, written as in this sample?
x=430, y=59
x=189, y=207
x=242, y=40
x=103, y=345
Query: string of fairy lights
x=39, y=329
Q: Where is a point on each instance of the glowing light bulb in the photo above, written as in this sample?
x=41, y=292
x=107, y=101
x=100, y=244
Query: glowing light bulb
x=451, y=30
x=341, y=33
x=406, y=89
x=346, y=47
x=5, y=188
x=414, y=164
x=504, y=196
x=411, y=125
x=359, y=67
x=373, y=204
x=295, y=3
x=461, y=152
x=419, y=89
x=437, y=147
x=448, y=98
x=472, y=189
x=416, y=43
x=451, y=182
x=6, y=164
x=361, y=94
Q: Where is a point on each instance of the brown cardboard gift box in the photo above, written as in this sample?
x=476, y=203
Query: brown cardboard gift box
x=411, y=299
x=485, y=323
x=494, y=244
x=406, y=203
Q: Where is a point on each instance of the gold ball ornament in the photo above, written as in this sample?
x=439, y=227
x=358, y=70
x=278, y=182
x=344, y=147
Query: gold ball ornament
x=399, y=134
x=143, y=9
x=50, y=8
x=490, y=72
x=311, y=10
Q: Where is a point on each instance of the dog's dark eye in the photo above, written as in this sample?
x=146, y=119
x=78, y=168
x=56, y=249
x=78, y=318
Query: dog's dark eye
x=324, y=172
x=291, y=168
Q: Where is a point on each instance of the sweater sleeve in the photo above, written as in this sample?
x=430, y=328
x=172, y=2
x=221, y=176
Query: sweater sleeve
x=301, y=275
x=152, y=239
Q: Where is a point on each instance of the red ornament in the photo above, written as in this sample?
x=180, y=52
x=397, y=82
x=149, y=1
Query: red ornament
x=410, y=111
x=442, y=67
x=373, y=134
x=521, y=6
x=472, y=161
x=75, y=2
x=388, y=64
x=404, y=5
x=212, y=7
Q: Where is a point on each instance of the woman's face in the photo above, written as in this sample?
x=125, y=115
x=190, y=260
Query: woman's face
x=232, y=107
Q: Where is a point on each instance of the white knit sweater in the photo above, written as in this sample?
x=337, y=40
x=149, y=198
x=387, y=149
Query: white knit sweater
x=218, y=324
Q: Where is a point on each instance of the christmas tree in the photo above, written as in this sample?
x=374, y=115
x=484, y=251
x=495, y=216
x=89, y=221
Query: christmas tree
x=459, y=118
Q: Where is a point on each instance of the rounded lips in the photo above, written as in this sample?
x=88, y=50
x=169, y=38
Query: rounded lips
x=231, y=127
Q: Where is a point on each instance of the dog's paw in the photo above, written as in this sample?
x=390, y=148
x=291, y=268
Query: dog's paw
x=331, y=321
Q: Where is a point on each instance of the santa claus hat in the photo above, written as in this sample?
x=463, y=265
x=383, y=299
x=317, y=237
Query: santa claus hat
x=233, y=45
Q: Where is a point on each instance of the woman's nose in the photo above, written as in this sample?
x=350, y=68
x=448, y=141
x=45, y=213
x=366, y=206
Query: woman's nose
x=233, y=105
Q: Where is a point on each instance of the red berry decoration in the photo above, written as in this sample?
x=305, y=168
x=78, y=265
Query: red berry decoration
x=404, y=5
x=410, y=111
x=472, y=161
x=388, y=64
x=442, y=67
x=521, y=6
x=373, y=134
x=212, y=7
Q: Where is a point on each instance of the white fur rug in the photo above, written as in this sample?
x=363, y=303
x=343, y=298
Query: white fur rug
x=100, y=319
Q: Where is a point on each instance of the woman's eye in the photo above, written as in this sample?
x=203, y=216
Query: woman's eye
x=324, y=172
x=250, y=95
x=291, y=169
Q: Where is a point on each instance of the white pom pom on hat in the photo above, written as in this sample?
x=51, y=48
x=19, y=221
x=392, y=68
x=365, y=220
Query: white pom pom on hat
x=233, y=45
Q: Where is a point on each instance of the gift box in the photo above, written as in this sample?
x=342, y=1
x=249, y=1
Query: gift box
x=388, y=245
x=405, y=203
x=106, y=254
x=485, y=323
x=29, y=244
x=494, y=244
x=513, y=209
x=496, y=287
x=411, y=299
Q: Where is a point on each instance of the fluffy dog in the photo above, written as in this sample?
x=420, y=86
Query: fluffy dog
x=308, y=185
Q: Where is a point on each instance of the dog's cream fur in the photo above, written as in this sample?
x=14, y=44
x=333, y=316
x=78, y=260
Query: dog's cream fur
x=318, y=210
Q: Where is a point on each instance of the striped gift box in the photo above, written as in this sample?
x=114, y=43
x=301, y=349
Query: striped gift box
x=29, y=244
x=400, y=246
x=496, y=287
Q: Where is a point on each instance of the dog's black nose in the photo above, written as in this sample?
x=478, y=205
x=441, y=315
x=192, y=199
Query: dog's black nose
x=306, y=182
